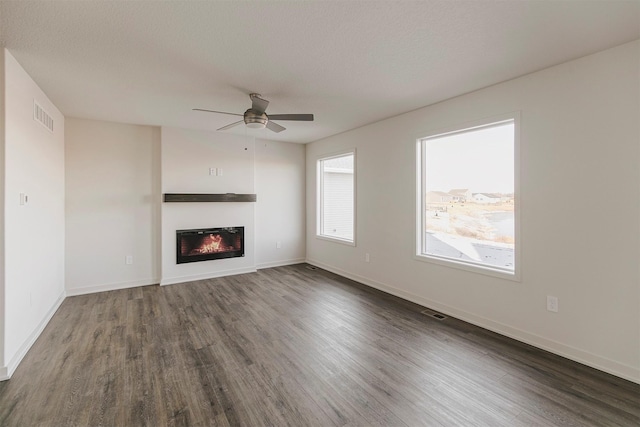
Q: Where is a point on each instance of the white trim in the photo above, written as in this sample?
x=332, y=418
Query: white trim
x=192, y=278
x=485, y=269
x=279, y=263
x=334, y=154
x=336, y=240
x=420, y=219
x=319, y=193
x=517, y=194
x=487, y=123
x=463, y=126
x=604, y=364
x=110, y=287
x=7, y=371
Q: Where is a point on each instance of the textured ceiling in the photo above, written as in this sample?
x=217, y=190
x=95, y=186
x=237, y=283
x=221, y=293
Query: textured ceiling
x=348, y=62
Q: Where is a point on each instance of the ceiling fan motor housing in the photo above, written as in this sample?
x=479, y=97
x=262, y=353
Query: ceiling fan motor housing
x=254, y=119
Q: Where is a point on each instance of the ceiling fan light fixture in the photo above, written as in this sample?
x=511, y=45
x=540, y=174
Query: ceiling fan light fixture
x=256, y=118
x=256, y=125
x=255, y=121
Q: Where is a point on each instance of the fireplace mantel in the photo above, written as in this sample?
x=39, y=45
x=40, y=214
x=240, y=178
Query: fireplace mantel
x=193, y=197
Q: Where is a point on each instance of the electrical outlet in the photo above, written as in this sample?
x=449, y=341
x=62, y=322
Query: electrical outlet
x=219, y=171
x=128, y=259
x=212, y=171
x=278, y=244
x=552, y=303
x=366, y=257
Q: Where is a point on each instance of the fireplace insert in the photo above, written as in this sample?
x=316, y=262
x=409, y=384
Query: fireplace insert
x=208, y=244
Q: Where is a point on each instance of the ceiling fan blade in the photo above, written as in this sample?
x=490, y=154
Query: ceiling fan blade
x=231, y=125
x=220, y=112
x=258, y=104
x=299, y=117
x=275, y=127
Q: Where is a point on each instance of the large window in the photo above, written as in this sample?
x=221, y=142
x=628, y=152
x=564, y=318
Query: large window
x=467, y=197
x=336, y=183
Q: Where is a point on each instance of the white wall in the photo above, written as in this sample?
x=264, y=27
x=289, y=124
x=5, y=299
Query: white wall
x=187, y=157
x=272, y=170
x=579, y=138
x=280, y=209
x=3, y=369
x=115, y=180
x=112, y=205
x=34, y=232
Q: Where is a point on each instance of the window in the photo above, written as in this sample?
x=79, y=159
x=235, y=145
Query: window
x=336, y=184
x=467, y=198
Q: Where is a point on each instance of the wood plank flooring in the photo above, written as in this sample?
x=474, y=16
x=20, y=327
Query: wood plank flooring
x=290, y=346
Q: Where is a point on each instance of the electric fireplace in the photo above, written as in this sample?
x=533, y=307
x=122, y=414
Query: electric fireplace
x=210, y=243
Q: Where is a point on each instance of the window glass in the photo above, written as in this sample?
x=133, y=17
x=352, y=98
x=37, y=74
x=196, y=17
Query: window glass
x=468, y=197
x=336, y=197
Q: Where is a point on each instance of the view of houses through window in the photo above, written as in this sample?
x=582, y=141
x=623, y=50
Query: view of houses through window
x=468, y=196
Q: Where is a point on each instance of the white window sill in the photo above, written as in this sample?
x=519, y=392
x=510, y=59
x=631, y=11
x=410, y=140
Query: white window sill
x=474, y=268
x=336, y=240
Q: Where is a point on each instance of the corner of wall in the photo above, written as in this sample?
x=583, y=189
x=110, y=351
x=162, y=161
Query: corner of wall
x=156, y=183
x=7, y=371
x=30, y=296
x=3, y=369
x=127, y=202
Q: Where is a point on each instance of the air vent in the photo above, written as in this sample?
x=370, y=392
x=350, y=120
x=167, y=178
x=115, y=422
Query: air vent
x=434, y=314
x=42, y=117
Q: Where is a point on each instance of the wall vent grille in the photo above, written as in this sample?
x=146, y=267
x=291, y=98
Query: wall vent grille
x=42, y=117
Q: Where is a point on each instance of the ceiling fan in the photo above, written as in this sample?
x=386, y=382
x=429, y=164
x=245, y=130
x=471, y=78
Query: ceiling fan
x=256, y=118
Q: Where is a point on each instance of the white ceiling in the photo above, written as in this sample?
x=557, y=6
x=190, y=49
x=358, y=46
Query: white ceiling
x=348, y=62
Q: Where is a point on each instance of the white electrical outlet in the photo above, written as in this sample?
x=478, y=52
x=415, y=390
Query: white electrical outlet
x=366, y=257
x=219, y=171
x=552, y=303
x=278, y=244
x=212, y=171
x=128, y=259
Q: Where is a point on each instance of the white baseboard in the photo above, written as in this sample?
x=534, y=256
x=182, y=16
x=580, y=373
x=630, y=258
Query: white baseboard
x=280, y=263
x=183, y=279
x=111, y=287
x=7, y=371
x=584, y=357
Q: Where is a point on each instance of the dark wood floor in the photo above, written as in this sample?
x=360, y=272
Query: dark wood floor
x=293, y=346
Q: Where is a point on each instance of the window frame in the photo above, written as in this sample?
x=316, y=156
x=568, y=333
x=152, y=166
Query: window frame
x=320, y=192
x=420, y=237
